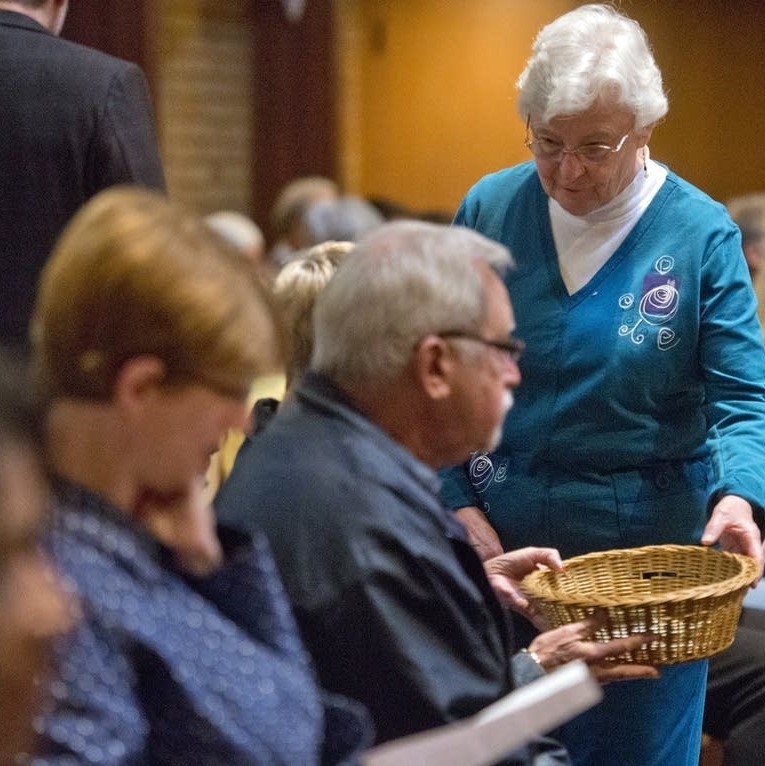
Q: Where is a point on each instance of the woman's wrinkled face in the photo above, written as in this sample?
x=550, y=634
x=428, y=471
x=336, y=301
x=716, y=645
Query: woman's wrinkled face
x=578, y=186
x=34, y=606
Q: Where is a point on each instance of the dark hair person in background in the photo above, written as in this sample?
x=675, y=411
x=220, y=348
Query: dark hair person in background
x=642, y=415
x=73, y=121
x=748, y=212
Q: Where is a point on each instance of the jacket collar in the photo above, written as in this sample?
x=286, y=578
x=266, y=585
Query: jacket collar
x=21, y=21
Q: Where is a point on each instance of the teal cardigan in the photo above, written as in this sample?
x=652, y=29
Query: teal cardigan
x=643, y=393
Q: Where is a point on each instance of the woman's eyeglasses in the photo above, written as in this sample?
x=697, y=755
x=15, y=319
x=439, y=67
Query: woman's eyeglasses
x=552, y=151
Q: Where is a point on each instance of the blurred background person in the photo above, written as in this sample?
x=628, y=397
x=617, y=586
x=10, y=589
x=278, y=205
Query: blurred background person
x=391, y=210
x=734, y=709
x=345, y=219
x=148, y=331
x=396, y=211
x=748, y=211
x=35, y=607
x=247, y=237
x=74, y=121
x=287, y=212
x=295, y=290
x=242, y=232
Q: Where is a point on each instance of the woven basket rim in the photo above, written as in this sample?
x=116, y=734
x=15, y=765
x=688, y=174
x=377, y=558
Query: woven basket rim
x=537, y=584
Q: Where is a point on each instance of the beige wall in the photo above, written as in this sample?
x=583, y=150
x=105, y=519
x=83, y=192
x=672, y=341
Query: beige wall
x=428, y=100
x=435, y=99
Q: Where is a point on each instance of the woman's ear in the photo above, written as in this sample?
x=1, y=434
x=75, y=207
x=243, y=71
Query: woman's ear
x=137, y=378
x=434, y=365
x=644, y=135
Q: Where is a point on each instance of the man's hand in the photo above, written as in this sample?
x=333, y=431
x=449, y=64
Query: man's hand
x=505, y=573
x=570, y=642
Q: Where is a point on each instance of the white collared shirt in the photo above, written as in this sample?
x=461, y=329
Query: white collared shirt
x=584, y=243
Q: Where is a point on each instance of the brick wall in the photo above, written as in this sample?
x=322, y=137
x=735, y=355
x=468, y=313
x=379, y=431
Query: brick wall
x=205, y=101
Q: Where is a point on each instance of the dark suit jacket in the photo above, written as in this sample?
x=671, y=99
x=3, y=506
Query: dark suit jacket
x=73, y=121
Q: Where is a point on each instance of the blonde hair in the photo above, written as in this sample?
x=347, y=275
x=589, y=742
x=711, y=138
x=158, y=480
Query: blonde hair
x=133, y=274
x=295, y=290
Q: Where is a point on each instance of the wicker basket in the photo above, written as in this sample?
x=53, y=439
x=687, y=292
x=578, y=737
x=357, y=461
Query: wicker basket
x=690, y=596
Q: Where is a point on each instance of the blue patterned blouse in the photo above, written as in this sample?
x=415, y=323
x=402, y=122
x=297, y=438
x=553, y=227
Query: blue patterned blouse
x=165, y=670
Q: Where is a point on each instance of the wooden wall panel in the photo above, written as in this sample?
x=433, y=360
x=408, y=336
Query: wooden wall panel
x=295, y=120
x=119, y=27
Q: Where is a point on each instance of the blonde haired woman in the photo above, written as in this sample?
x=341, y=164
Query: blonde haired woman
x=295, y=290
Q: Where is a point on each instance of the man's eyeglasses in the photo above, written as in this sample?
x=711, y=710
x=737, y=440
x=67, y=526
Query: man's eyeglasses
x=552, y=151
x=513, y=347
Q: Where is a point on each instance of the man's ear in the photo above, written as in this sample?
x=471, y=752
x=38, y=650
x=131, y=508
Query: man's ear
x=138, y=378
x=434, y=365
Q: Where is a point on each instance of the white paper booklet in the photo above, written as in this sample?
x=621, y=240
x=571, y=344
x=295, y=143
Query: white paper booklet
x=500, y=728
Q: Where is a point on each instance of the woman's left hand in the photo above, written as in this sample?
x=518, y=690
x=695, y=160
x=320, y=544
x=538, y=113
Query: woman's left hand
x=185, y=523
x=732, y=525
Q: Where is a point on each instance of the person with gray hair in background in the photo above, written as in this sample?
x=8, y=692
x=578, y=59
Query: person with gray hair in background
x=413, y=368
x=247, y=237
x=748, y=212
x=287, y=213
x=345, y=219
x=642, y=417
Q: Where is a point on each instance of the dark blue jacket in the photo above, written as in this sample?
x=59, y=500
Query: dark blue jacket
x=391, y=600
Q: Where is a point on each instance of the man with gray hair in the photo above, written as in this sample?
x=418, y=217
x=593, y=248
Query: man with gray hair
x=413, y=369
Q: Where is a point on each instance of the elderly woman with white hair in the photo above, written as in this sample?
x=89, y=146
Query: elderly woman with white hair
x=641, y=418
